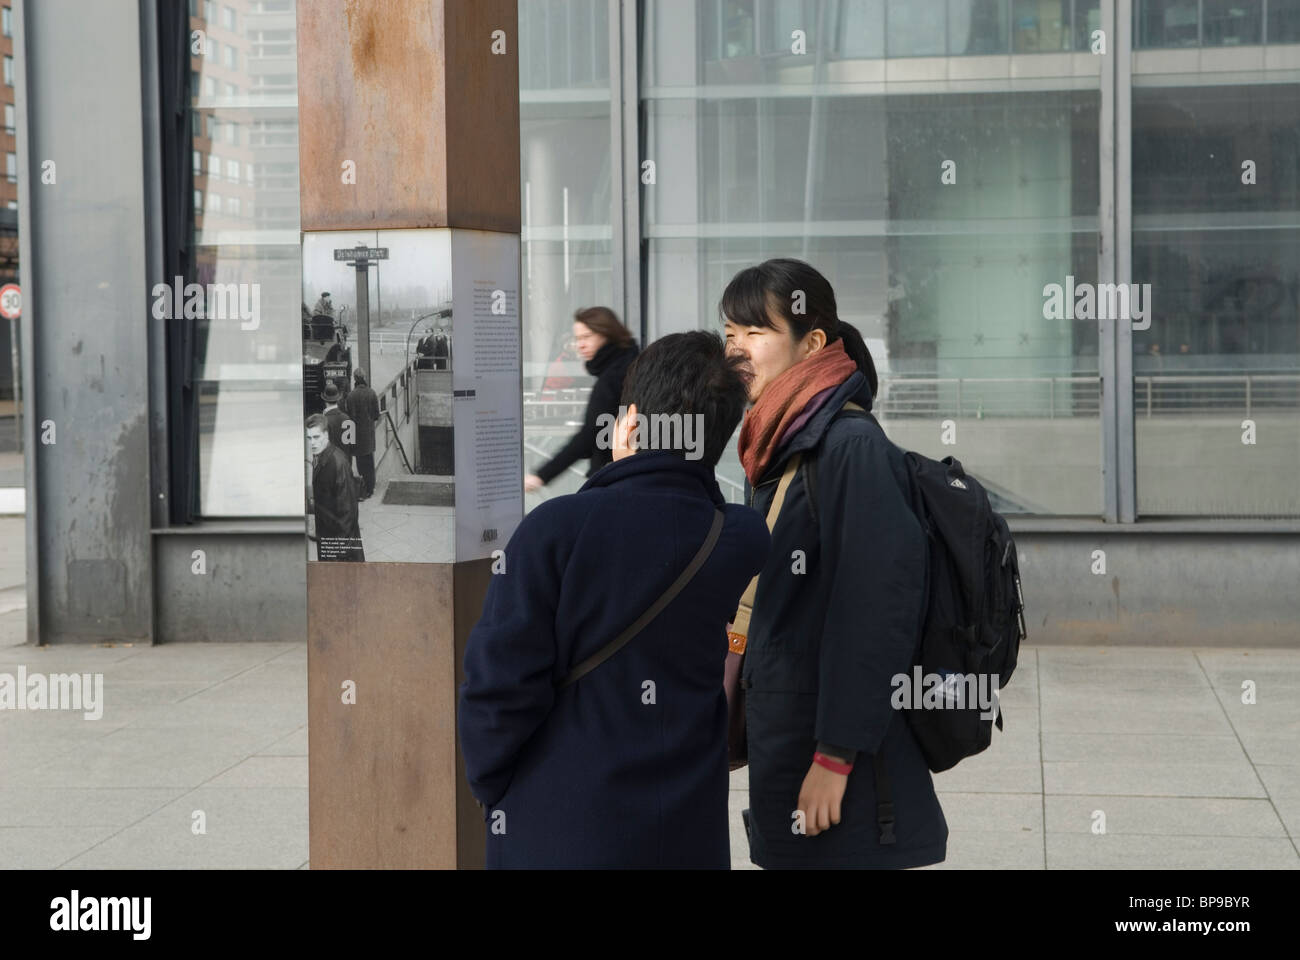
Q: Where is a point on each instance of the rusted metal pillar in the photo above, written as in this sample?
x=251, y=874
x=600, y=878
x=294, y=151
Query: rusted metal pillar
x=408, y=120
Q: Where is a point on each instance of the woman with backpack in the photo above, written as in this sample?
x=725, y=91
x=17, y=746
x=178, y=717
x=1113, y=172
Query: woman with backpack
x=836, y=778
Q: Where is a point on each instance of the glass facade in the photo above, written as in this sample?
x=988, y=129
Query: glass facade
x=938, y=209
x=567, y=185
x=938, y=160
x=1216, y=232
x=825, y=130
x=244, y=61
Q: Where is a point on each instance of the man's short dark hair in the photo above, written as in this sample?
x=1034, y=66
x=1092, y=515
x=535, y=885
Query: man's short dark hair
x=689, y=374
x=317, y=420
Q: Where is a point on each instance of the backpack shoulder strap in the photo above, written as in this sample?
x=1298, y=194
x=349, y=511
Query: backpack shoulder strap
x=619, y=642
x=809, y=465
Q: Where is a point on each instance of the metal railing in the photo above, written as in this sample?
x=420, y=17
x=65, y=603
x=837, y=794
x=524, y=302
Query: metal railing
x=395, y=403
x=1050, y=398
x=737, y=490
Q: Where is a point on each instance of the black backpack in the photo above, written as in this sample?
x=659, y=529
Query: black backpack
x=974, y=619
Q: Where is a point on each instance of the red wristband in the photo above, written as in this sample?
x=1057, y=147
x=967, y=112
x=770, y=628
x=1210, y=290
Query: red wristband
x=832, y=765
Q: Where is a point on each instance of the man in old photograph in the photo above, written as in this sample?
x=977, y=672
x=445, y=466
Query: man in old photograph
x=362, y=407
x=334, y=496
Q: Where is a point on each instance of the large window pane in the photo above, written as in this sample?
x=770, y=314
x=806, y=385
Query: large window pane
x=861, y=30
x=977, y=27
x=1283, y=21
x=1230, y=23
x=567, y=249
x=945, y=281
x=916, y=28
x=1167, y=23
x=1040, y=26
x=249, y=370
x=1217, y=375
x=1087, y=21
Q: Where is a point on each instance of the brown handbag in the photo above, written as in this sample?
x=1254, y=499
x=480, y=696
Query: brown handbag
x=737, y=741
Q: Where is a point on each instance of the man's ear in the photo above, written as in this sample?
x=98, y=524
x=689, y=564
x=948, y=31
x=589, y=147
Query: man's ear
x=623, y=429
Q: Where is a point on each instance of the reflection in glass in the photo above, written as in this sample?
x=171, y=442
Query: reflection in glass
x=1284, y=21
x=945, y=284
x=977, y=27
x=916, y=28
x=566, y=248
x=1167, y=23
x=1222, y=356
x=1040, y=26
x=1229, y=23
x=246, y=233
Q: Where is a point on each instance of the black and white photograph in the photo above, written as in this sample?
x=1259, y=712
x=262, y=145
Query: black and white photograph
x=377, y=367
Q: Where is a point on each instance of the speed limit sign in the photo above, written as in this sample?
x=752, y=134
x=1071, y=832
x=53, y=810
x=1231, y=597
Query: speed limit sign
x=11, y=301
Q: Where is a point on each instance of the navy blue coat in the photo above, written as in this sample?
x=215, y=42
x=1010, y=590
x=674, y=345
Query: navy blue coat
x=825, y=644
x=627, y=767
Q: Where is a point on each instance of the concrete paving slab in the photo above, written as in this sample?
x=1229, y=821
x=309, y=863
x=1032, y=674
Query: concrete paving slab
x=63, y=806
x=1165, y=816
x=291, y=745
x=77, y=657
x=1267, y=659
x=992, y=850
x=1281, y=780
x=1071, y=851
x=1147, y=748
x=1153, y=779
x=223, y=728
x=1102, y=658
x=278, y=718
x=1179, y=673
x=974, y=776
x=264, y=771
x=44, y=848
x=993, y=812
x=145, y=757
x=1288, y=811
x=1264, y=748
x=248, y=829
x=1104, y=714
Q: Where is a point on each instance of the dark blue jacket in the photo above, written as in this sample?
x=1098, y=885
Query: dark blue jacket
x=825, y=644
x=627, y=767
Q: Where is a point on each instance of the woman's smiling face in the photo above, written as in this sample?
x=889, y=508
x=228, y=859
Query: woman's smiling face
x=768, y=351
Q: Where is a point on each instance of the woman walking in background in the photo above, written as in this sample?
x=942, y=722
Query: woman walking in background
x=608, y=348
x=824, y=638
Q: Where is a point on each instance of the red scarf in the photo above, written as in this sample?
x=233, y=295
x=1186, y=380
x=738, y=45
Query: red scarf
x=784, y=399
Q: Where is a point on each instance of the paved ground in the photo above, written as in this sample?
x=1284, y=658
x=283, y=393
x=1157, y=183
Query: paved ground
x=1157, y=740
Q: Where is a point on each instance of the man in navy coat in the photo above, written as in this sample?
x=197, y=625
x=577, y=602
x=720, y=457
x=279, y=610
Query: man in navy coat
x=627, y=767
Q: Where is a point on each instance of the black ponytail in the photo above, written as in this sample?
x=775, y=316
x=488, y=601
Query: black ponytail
x=779, y=285
x=856, y=348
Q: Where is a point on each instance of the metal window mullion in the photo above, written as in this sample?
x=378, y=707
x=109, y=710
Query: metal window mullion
x=616, y=159
x=1106, y=271
x=27, y=324
x=1126, y=473
x=625, y=163
x=156, y=127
